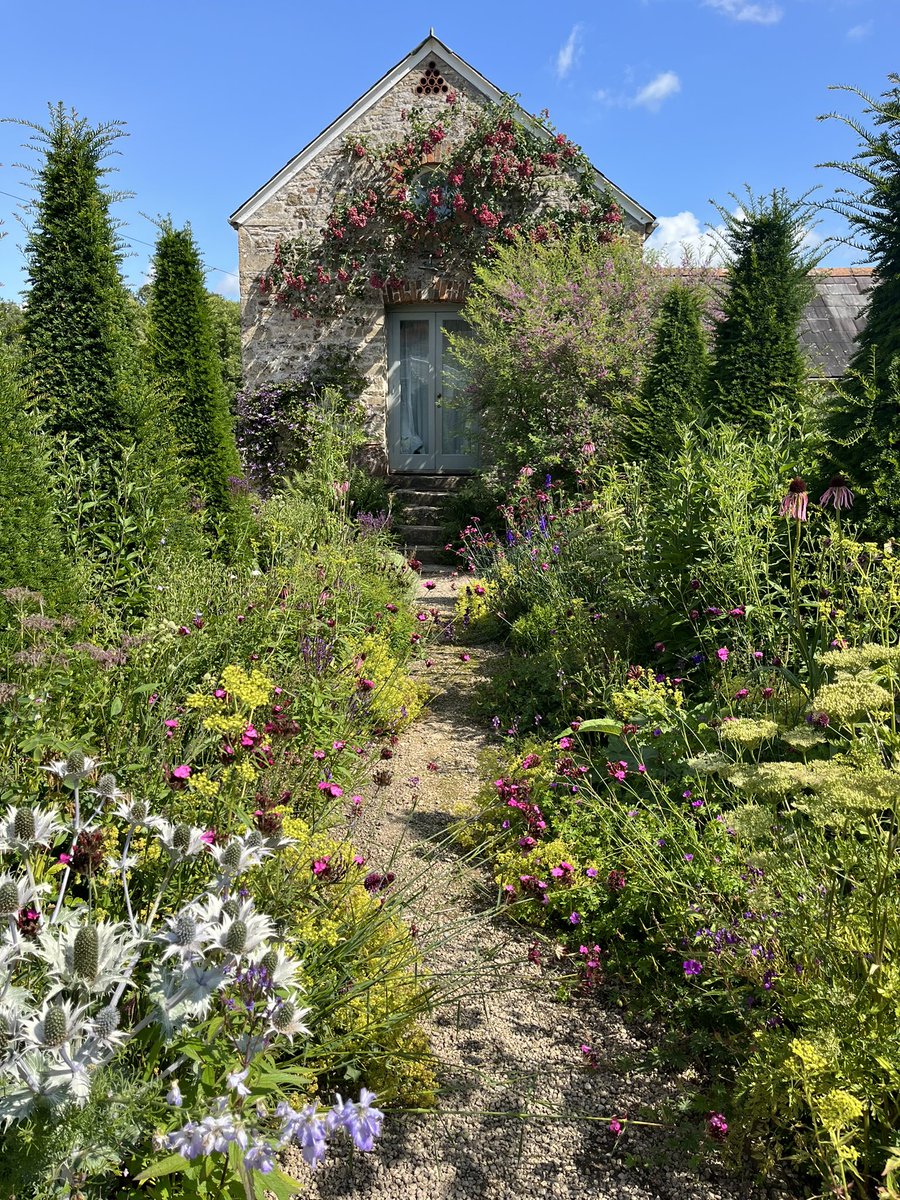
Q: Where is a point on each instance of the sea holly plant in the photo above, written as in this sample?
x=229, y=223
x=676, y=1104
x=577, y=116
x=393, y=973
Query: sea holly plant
x=499, y=178
x=190, y=970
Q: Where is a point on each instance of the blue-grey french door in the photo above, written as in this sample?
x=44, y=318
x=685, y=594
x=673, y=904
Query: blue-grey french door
x=428, y=427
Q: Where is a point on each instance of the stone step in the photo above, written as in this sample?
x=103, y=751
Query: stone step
x=422, y=514
x=409, y=497
x=413, y=481
x=422, y=535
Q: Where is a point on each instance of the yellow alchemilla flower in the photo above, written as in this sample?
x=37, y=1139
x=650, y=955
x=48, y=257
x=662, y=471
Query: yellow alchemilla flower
x=249, y=690
x=230, y=725
x=837, y=1109
x=203, y=785
x=245, y=770
x=201, y=701
x=809, y=1059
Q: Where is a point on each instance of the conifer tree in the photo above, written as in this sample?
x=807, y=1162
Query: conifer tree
x=84, y=370
x=864, y=425
x=757, y=358
x=75, y=329
x=31, y=549
x=185, y=360
x=674, y=386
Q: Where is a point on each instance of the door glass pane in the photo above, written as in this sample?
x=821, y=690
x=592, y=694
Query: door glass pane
x=455, y=437
x=414, y=370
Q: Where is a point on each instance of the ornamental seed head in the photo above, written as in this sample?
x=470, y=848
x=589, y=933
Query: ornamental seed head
x=185, y=929
x=86, y=952
x=231, y=908
x=75, y=762
x=9, y=899
x=107, y=1021
x=269, y=961
x=236, y=937
x=231, y=857
x=284, y=1015
x=254, y=839
x=181, y=838
x=139, y=810
x=107, y=786
x=5, y=1032
x=55, y=1028
x=24, y=826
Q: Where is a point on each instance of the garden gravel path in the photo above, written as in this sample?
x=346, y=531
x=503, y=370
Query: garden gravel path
x=505, y=1046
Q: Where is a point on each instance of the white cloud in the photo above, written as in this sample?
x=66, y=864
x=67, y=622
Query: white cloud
x=657, y=90
x=569, y=53
x=745, y=10
x=226, y=283
x=680, y=239
x=859, y=32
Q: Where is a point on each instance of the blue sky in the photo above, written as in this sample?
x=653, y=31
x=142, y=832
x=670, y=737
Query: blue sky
x=677, y=101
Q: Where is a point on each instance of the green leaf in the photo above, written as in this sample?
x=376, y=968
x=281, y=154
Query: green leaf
x=280, y=1185
x=170, y=1165
x=116, y=707
x=599, y=725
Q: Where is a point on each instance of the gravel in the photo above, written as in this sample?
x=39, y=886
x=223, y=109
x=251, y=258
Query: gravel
x=519, y=1114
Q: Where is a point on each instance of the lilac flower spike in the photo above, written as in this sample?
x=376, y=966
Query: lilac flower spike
x=837, y=494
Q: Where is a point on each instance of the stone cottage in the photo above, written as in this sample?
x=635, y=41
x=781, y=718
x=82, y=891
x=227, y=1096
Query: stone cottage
x=413, y=423
x=397, y=326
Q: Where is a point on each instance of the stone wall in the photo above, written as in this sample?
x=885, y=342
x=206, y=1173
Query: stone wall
x=273, y=345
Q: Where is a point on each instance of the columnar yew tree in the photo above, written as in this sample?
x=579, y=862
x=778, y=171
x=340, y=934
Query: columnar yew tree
x=75, y=329
x=865, y=424
x=31, y=552
x=758, y=361
x=184, y=358
x=83, y=367
x=674, y=386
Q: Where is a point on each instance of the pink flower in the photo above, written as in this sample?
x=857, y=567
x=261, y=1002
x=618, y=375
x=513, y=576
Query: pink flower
x=429, y=584
x=182, y=772
x=837, y=494
x=338, y=745
x=615, y=1127
x=320, y=866
x=465, y=657
x=565, y=743
x=795, y=501
x=318, y=755
x=249, y=736
x=151, y=700
x=575, y=918
x=65, y=859
x=208, y=837
x=331, y=789
x=366, y=685
x=722, y=654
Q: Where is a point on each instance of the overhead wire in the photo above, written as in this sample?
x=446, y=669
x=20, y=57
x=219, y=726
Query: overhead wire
x=130, y=239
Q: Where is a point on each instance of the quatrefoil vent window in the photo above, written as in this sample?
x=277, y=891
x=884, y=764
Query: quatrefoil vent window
x=432, y=82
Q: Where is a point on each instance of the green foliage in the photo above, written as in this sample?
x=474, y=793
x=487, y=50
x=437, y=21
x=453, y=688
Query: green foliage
x=562, y=331
x=11, y=321
x=865, y=435
x=75, y=328
x=185, y=363
x=31, y=543
x=81, y=358
x=225, y=316
x=675, y=384
x=758, y=362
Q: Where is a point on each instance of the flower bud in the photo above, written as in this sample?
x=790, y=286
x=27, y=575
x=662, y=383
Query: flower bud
x=9, y=899
x=75, y=762
x=106, y=1021
x=181, y=838
x=107, y=786
x=236, y=937
x=231, y=856
x=86, y=953
x=185, y=929
x=55, y=1026
x=24, y=826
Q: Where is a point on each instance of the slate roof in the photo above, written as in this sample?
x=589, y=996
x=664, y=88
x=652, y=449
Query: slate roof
x=832, y=320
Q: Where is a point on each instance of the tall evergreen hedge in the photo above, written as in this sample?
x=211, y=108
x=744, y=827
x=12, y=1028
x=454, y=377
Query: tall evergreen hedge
x=31, y=544
x=675, y=383
x=865, y=424
x=183, y=352
x=757, y=357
